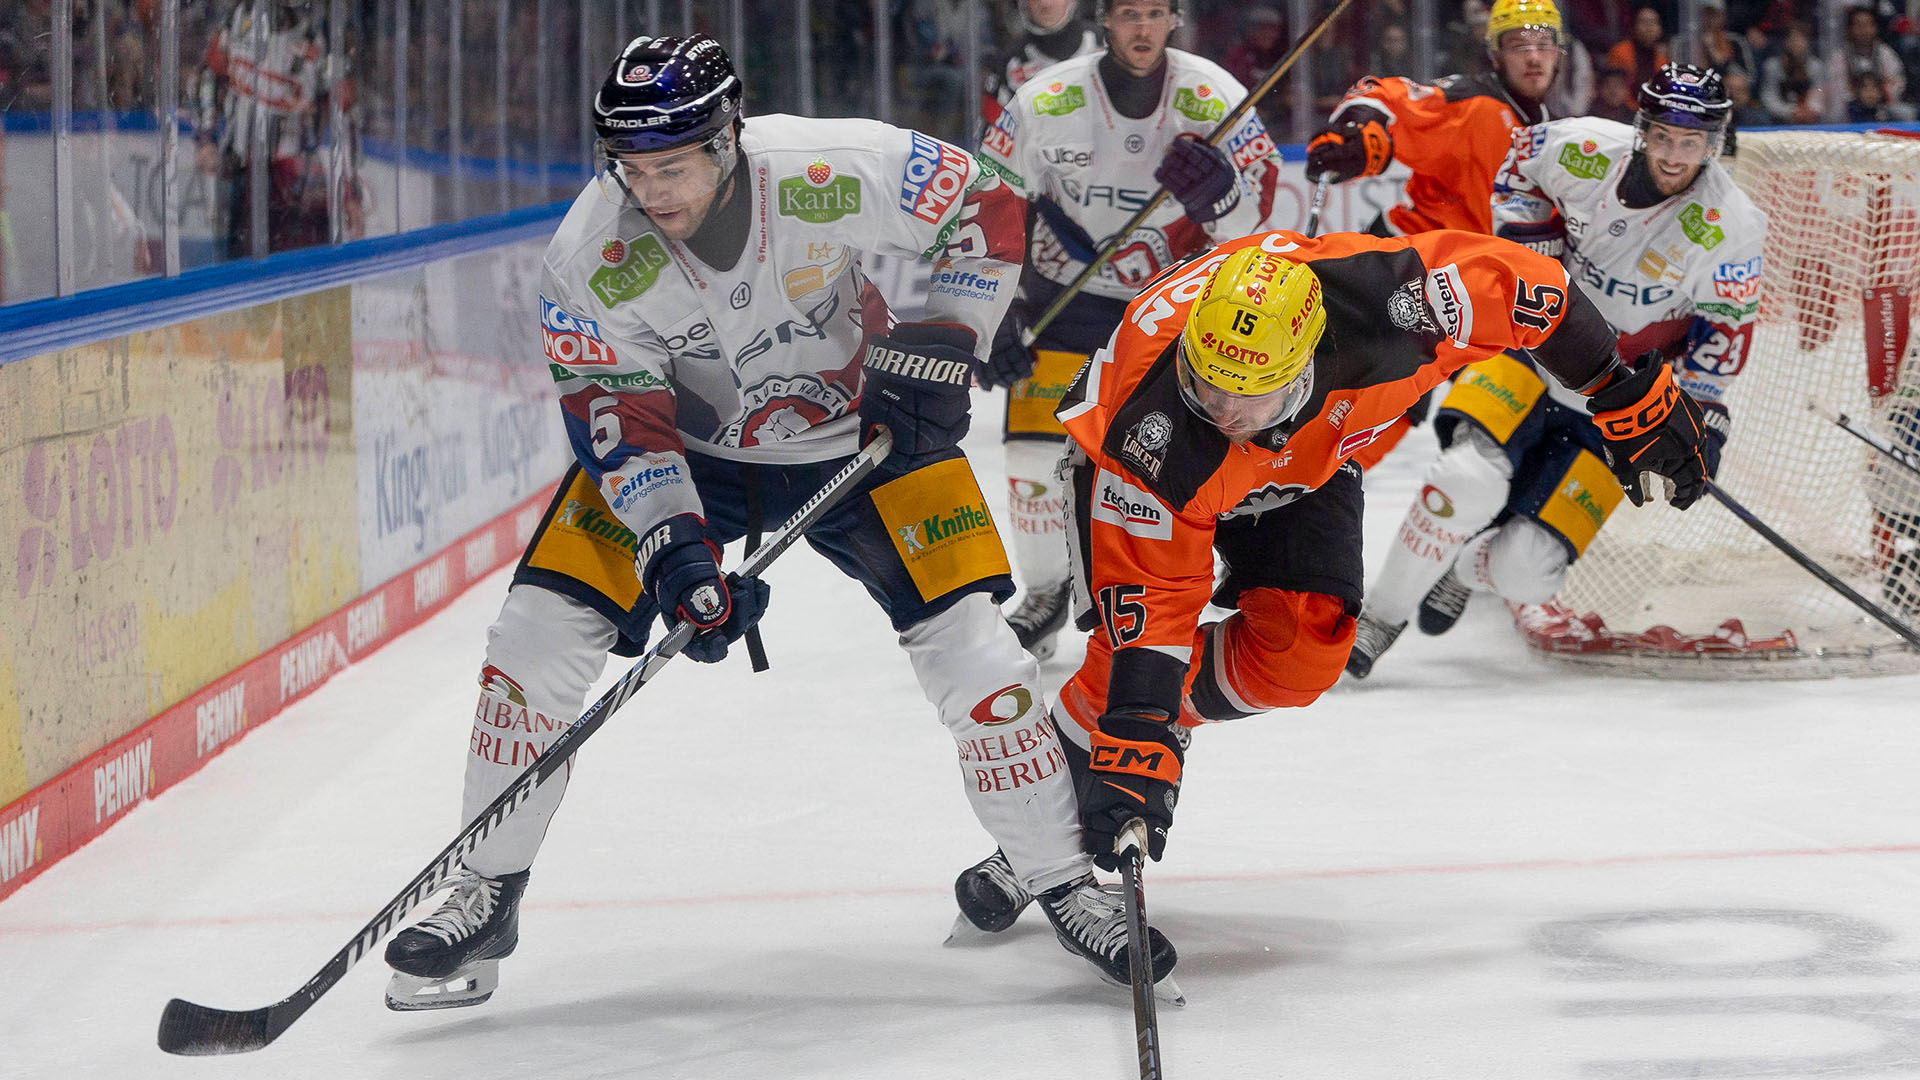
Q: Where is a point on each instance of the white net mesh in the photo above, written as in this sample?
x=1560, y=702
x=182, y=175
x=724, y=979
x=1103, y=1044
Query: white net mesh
x=1842, y=255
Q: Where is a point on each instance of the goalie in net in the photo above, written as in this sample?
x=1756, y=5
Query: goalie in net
x=1658, y=236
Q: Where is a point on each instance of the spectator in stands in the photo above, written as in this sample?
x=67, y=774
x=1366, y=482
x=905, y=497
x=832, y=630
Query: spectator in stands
x=26, y=71
x=1790, y=79
x=1865, y=54
x=1717, y=47
x=1333, y=72
x=1261, y=44
x=1867, y=99
x=1393, y=52
x=1467, y=40
x=1747, y=112
x=1613, y=96
x=1572, y=91
x=934, y=34
x=1644, y=51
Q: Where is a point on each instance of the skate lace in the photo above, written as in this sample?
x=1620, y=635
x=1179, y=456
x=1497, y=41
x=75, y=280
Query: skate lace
x=1095, y=916
x=1372, y=636
x=1449, y=595
x=1040, y=607
x=1000, y=874
x=467, y=910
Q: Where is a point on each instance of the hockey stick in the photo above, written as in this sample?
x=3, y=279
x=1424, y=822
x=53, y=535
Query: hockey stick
x=1319, y=204
x=1908, y=634
x=1869, y=437
x=1218, y=133
x=1146, y=1024
x=187, y=1028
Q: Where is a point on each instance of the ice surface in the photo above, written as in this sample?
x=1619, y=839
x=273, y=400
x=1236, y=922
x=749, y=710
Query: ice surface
x=1471, y=866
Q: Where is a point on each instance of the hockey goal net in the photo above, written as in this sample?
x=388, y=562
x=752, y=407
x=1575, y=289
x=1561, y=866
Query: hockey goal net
x=1698, y=594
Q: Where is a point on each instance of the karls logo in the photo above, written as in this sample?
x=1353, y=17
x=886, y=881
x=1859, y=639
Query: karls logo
x=20, y=844
x=1137, y=512
x=635, y=274
x=1447, y=296
x=1058, y=99
x=366, y=622
x=219, y=718
x=571, y=340
x=1584, y=161
x=819, y=196
x=936, y=175
x=123, y=781
x=1199, y=104
x=1003, y=706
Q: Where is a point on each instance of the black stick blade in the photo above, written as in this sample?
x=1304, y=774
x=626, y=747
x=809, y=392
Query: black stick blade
x=186, y=1028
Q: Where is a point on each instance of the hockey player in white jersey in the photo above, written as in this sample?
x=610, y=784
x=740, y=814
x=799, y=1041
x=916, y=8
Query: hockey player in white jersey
x=1656, y=233
x=1086, y=140
x=1050, y=31
x=719, y=355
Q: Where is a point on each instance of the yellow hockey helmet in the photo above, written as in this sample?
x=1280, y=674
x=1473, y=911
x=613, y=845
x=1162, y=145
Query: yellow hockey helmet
x=1524, y=15
x=1246, y=352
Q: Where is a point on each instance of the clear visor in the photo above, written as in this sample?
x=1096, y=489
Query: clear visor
x=1241, y=415
x=1680, y=145
x=672, y=178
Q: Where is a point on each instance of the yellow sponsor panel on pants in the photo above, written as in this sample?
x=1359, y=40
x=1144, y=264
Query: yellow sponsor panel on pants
x=1497, y=393
x=1031, y=401
x=939, y=523
x=1586, y=495
x=587, y=543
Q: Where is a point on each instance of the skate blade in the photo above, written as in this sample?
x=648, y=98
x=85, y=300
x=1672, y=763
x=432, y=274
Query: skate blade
x=470, y=985
x=1165, y=991
x=965, y=935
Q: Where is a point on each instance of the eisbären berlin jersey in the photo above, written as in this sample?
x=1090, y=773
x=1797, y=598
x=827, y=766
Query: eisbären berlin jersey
x=1682, y=275
x=653, y=351
x=1062, y=138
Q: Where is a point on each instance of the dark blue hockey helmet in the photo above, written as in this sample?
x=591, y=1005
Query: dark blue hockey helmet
x=1685, y=96
x=664, y=93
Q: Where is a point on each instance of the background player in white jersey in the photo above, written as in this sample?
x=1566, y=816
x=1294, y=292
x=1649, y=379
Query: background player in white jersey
x=1656, y=233
x=1086, y=140
x=719, y=354
x=1050, y=31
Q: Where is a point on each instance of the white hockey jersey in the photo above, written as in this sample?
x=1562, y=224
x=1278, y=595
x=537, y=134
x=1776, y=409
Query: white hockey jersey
x=1061, y=138
x=1682, y=275
x=654, y=351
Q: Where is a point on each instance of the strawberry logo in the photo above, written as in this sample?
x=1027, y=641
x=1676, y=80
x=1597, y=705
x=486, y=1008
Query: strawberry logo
x=613, y=252
x=819, y=172
x=1055, y=86
x=1713, y=215
x=1203, y=91
x=1589, y=146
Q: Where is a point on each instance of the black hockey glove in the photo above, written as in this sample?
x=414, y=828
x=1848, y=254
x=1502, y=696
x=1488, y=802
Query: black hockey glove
x=1135, y=768
x=1719, y=425
x=1349, y=148
x=917, y=383
x=1201, y=176
x=1651, y=425
x=1549, y=238
x=685, y=581
x=1008, y=361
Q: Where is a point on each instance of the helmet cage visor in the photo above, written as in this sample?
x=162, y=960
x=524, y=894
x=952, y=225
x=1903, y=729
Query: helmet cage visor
x=1240, y=414
x=1673, y=132
x=622, y=182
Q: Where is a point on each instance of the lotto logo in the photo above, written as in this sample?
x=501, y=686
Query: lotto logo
x=935, y=176
x=572, y=340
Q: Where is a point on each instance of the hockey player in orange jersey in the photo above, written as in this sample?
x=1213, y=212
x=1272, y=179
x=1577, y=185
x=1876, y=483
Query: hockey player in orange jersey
x=1221, y=418
x=1453, y=135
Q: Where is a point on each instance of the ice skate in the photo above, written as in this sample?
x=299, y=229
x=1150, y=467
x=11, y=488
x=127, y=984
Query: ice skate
x=1091, y=920
x=1444, y=603
x=990, y=897
x=1040, y=616
x=1371, y=638
x=452, y=957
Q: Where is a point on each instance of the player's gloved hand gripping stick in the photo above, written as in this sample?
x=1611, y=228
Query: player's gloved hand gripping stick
x=186, y=1028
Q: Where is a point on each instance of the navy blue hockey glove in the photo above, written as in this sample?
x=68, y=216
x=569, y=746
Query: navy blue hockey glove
x=685, y=581
x=1008, y=361
x=1357, y=146
x=1549, y=238
x=917, y=382
x=1651, y=425
x=1135, y=771
x=1719, y=426
x=1201, y=176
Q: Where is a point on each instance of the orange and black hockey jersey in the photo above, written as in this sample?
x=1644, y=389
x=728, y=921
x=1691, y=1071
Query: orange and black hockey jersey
x=1453, y=135
x=1403, y=314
